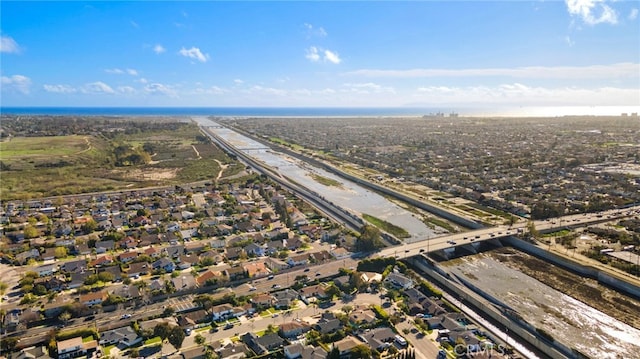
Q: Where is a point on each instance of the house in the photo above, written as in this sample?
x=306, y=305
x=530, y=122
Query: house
x=24, y=257
x=208, y=277
x=253, y=249
x=251, y=340
x=326, y=326
x=124, y=336
x=235, y=273
x=93, y=298
x=379, y=338
x=174, y=251
x=293, y=244
x=276, y=264
x=185, y=262
x=284, y=298
x=137, y=269
x=345, y=346
x=104, y=246
x=198, y=352
x=77, y=266
x=74, y=347
x=164, y=264
x=299, y=351
x=221, y=311
x=320, y=257
x=78, y=279
x=70, y=348
x=399, y=281
x=313, y=291
x=102, y=261
x=256, y=270
x=48, y=254
x=293, y=329
x=153, y=252
x=274, y=246
x=298, y=259
x=271, y=341
x=341, y=253
x=233, y=253
x=47, y=270
x=232, y=351
x=264, y=300
x=362, y=316
x=127, y=257
x=34, y=352
x=184, y=282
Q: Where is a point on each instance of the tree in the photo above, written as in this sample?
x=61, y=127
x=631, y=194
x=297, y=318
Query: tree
x=176, y=337
x=65, y=316
x=60, y=252
x=369, y=239
x=199, y=339
x=332, y=291
x=30, y=232
x=162, y=330
x=360, y=351
x=89, y=227
x=271, y=329
x=334, y=353
x=134, y=353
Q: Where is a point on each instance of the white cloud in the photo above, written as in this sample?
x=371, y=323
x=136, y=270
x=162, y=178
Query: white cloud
x=633, y=14
x=311, y=31
x=9, y=45
x=158, y=49
x=194, y=53
x=332, y=57
x=620, y=70
x=160, y=89
x=64, y=89
x=238, y=82
x=518, y=94
x=367, y=88
x=114, y=71
x=97, y=87
x=266, y=91
x=126, y=89
x=312, y=54
x=142, y=80
x=117, y=71
x=17, y=83
x=134, y=24
x=592, y=12
x=569, y=42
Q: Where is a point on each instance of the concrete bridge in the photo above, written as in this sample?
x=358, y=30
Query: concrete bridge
x=475, y=237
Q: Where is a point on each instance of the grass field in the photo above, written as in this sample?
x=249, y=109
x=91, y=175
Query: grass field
x=386, y=226
x=33, y=167
x=326, y=181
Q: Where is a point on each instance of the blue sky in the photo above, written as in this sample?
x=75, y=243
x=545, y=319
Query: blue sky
x=322, y=54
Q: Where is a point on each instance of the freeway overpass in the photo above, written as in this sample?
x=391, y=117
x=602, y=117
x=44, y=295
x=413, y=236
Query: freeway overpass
x=427, y=245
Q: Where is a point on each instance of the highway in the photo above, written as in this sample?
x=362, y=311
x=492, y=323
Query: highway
x=426, y=245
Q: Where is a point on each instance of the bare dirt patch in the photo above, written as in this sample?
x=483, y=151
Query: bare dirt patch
x=153, y=174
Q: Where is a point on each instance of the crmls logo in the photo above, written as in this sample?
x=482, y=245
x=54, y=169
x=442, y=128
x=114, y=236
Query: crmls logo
x=462, y=349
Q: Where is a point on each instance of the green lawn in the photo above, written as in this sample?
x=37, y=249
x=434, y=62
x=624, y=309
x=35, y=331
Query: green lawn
x=154, y=340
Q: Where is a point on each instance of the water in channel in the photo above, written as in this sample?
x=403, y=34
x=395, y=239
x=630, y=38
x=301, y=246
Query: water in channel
x=348, y=195
x=500, y=273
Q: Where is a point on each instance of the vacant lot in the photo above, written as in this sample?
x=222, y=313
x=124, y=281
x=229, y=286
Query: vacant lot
x=33, y=167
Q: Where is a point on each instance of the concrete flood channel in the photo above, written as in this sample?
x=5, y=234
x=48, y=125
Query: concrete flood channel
x=348, y=195
x=506, y=274
x=578, y=312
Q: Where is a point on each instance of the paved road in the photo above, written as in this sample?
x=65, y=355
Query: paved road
x=475, y=236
